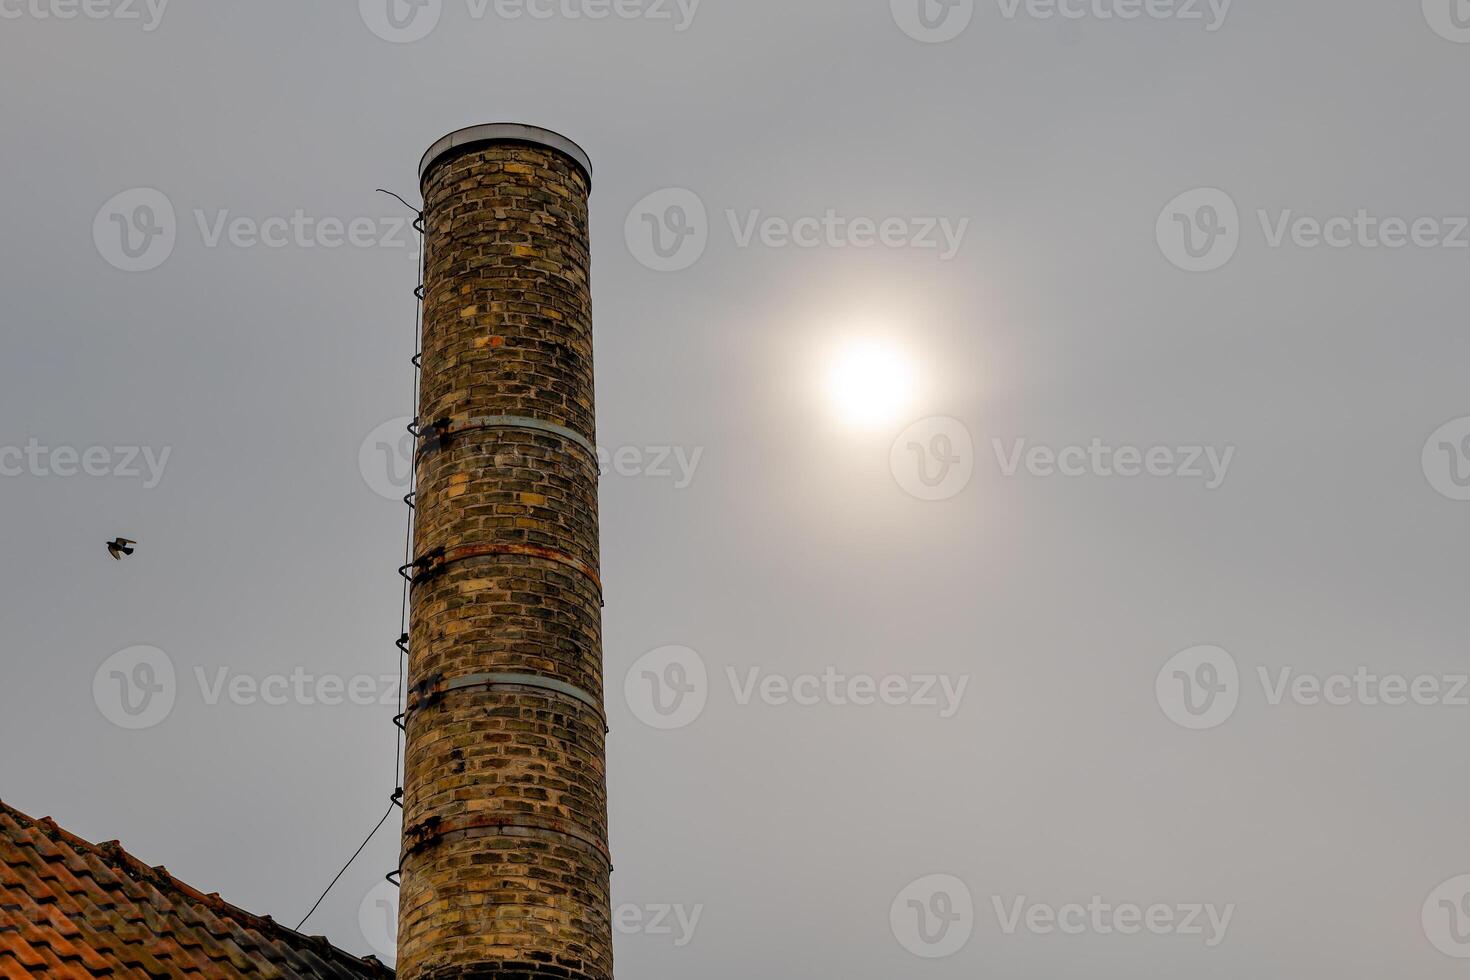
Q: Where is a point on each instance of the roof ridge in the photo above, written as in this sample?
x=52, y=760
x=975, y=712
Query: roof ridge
x=120, y=859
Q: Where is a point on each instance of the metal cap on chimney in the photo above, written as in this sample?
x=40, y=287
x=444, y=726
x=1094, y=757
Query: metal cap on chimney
x=473, y=136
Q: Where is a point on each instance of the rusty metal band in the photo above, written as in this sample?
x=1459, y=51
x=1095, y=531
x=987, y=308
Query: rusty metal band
x=501, y=682
x=437, y=432
x=428, y=832
x=435, y=562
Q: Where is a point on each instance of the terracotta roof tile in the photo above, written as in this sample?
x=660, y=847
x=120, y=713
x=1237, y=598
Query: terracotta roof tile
x=70, y=909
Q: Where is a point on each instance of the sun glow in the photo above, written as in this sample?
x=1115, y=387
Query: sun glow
x=870, y=383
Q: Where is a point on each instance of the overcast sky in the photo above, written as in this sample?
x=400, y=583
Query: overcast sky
x=1183, y=244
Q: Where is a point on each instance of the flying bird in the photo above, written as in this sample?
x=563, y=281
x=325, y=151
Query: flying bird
x=119, y=547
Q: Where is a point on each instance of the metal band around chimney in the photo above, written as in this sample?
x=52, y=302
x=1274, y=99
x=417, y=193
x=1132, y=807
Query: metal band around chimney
x=472, y=136
x=434, y=829
x=501, y=682
x=435, y=561
x=437, y=432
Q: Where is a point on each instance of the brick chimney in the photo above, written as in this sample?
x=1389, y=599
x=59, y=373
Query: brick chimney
x=505, y=860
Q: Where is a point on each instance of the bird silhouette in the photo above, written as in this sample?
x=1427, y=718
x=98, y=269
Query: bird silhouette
x=119, y=547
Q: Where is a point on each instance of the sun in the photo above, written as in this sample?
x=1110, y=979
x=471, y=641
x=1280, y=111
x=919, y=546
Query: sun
x=870, y=382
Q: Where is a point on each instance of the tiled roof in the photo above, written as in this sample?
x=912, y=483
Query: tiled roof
x=73, y=909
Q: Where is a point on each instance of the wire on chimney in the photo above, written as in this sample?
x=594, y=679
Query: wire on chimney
x=345, y=867
x=417, y=361
x=396, y=800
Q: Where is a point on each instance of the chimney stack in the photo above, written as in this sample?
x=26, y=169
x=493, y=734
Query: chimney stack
x=505, y=860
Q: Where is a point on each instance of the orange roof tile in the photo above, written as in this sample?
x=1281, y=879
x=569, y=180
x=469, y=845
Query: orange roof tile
x=73, y=909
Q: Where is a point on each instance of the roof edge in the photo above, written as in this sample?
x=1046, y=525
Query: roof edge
x=117, y=857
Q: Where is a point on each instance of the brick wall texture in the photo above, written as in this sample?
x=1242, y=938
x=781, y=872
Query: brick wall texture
x=505, y=865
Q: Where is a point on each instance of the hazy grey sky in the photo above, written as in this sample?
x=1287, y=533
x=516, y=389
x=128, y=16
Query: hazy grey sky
x=1082, y=166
